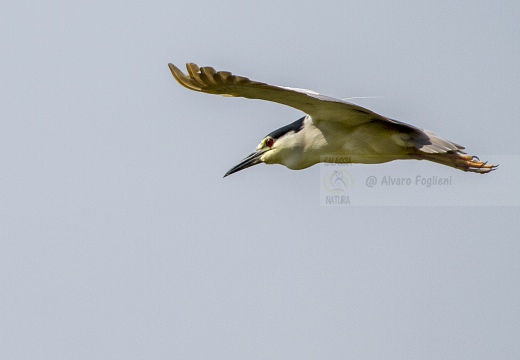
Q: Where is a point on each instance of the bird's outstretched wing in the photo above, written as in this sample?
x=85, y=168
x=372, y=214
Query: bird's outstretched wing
x=319, y=107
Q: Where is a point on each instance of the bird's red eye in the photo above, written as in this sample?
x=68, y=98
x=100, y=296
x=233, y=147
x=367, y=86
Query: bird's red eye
x=269, y=142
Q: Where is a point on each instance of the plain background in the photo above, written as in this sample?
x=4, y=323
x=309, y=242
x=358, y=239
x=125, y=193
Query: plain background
x=119, y=239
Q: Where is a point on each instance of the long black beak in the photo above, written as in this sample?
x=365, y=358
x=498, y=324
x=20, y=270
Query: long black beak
x=250, y=160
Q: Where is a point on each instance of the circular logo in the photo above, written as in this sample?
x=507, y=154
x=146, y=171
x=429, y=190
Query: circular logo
x=337, y=181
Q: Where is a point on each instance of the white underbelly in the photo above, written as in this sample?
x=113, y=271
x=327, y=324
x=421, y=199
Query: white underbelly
x=365, y=144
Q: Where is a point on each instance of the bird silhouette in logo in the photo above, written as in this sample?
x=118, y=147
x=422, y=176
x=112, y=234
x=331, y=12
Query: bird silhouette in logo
x=337, y=182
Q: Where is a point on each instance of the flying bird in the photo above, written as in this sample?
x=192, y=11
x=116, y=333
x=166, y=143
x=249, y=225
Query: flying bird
x=332, y=129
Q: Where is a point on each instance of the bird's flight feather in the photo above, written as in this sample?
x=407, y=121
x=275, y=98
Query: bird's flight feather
x=319, y=107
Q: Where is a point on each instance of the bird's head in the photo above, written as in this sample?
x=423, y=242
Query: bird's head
x=278, y=147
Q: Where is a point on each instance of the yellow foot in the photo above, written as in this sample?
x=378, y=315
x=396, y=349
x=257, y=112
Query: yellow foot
x=472, y=164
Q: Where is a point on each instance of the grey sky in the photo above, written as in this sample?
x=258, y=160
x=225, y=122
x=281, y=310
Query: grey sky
x=120, y=239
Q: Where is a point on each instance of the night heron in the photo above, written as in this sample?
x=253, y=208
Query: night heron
x=332, y=130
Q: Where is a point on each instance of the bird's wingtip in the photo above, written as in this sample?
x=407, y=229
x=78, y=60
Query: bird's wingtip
x=175, y=70
x=183, y=79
